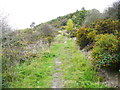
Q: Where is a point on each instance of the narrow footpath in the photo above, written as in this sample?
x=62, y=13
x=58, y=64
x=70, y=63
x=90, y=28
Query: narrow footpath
x=57, y=82
x=72, y=69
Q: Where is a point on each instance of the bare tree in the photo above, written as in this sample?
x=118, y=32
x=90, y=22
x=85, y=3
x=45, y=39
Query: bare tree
x=47, y=33
x=47, y=30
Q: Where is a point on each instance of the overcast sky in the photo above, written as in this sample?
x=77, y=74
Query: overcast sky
x=23, y=12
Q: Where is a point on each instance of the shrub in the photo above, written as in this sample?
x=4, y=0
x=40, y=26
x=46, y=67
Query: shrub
x=82, y=40
x=29, y=35
x=107, y=26
x=46, y=33
x=12, y=53
x=73, y=33
x=105, y=51
x=91, y=35
x=85, y=36
x=69, y=25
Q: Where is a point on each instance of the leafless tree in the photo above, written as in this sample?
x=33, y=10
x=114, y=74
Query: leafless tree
x=47, y=33
x=47, y=30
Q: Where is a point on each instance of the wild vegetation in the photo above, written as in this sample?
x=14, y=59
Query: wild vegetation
x=28, y=55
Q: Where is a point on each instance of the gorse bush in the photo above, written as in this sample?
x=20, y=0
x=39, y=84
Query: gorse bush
x=105, y=51
x=91, y=35
x=107, y=42
x=73, y=33
x=82, y=39
x=106, y=26
x=103, y=38
x=85, y=36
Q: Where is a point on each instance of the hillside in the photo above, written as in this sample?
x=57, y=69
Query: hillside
x=78, y=50
x=77, y=17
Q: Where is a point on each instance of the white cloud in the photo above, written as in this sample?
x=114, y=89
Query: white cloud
x=23, y=12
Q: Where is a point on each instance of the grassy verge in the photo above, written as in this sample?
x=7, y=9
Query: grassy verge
x=35, y=74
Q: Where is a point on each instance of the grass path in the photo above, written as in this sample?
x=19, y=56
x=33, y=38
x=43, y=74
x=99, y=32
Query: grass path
x=76, y=70
x=63, y=65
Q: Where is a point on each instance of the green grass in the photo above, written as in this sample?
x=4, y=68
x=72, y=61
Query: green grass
x=78, y=72
x=36, y=74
